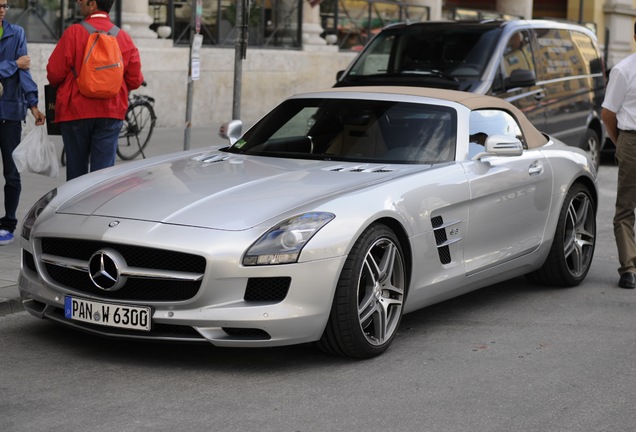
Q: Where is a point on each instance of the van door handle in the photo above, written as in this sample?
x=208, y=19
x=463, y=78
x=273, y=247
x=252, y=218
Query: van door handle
x=539, y=95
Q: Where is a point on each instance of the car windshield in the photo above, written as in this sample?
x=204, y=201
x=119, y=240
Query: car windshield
x=446, y=50
x=354, y=130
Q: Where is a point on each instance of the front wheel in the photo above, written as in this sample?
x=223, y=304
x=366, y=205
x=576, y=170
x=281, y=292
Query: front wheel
x=369, y=297
x=136, y=131
x=570, y=257
x=592, y=145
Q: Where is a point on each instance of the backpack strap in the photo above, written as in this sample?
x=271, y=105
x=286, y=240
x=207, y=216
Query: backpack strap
x=114, y=30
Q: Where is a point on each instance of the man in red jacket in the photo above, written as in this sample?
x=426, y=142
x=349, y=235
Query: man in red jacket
x=90, y=127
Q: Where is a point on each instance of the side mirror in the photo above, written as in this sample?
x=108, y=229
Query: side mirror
x=339, y=74
x=501, y=145
x=520, y=78
x=231, y=130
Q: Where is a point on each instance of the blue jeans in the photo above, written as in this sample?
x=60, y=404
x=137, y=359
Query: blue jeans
x=89, y=142
x=10, y=136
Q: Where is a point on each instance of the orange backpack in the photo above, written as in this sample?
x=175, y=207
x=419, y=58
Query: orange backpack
x=102, y=72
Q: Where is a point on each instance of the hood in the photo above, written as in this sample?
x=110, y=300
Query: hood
x=222, y=191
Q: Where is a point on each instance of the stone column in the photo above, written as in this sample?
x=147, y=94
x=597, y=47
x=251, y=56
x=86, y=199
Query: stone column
x=619, y=19
x=135, y=19
x=311, y=25
x=515, y=7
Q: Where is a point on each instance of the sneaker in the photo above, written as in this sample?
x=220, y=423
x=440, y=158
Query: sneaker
x=6, y=237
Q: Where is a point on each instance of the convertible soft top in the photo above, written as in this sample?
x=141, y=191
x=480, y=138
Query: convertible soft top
x=534, y=138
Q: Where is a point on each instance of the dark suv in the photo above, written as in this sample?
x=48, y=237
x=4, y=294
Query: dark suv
x=552, y=71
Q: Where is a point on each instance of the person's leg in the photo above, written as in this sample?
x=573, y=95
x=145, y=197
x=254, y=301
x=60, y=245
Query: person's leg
x=77, y=137
x=626, y=202
x=104, y=140
x=10, y=135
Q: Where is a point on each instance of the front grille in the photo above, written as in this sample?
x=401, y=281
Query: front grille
x=272, y=289
x=136, y=288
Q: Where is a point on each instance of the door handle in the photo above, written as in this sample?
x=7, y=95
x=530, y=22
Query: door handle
x=539, y=95
x=536, y=168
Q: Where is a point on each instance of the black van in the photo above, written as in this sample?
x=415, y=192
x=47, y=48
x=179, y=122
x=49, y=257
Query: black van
x=552, y=71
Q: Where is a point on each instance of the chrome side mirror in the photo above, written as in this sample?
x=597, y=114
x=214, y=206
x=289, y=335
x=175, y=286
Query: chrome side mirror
x=231, y=130
x=501, y=145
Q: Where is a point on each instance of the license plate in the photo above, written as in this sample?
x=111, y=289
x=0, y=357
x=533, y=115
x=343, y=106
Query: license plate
x=107, y=314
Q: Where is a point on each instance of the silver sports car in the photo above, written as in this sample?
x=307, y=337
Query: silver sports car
x=330, y=218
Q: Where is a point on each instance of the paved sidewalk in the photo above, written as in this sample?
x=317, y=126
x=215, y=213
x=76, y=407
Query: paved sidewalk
x=34, y=186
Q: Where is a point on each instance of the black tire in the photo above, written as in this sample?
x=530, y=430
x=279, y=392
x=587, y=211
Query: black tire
x=570, y=256
x=592, y=145
x=369, y=299
x=136, y=131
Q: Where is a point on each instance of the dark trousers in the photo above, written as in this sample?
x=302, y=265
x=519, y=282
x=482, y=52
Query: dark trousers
x=626, y=201
x=89, y=143
x=10, y=136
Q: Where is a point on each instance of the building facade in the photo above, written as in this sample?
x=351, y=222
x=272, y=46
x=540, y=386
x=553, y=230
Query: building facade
x=292, y=46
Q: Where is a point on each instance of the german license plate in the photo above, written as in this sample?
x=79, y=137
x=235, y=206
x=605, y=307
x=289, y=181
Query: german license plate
x=107, y=314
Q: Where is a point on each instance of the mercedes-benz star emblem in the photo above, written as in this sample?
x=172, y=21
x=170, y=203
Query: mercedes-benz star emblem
x=105, y=268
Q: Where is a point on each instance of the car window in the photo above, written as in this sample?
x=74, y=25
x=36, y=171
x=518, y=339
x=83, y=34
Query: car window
x=354, y=130
x=558, y=55
x=377, y=59
x=517, y=54
x=447, y=50
x=486, y=122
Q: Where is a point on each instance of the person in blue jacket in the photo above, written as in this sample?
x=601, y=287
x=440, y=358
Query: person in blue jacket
x=20, y=93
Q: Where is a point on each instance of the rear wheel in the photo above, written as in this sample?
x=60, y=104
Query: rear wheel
x=136, y=131
x=572, y=249
x=369, y=298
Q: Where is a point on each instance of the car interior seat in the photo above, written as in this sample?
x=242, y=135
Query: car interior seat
x=360, y=136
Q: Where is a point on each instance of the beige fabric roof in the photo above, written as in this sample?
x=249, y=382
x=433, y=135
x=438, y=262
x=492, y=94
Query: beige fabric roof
x=473, y=101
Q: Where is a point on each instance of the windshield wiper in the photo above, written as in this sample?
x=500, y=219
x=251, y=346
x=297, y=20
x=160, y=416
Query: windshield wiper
x=430, y=72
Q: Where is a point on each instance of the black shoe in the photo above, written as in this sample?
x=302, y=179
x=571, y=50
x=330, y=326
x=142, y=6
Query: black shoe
x=627, y=280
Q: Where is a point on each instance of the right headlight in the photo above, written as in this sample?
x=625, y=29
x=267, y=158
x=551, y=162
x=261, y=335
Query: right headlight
x=34, y=213
x=283, y=243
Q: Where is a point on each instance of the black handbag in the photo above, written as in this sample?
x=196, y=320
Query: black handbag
x=50, y=94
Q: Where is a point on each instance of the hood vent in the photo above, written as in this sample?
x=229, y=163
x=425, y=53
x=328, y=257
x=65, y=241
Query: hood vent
x=211, y=157
x=361, y=169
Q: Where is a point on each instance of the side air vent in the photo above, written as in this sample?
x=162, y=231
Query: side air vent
x=441, y=239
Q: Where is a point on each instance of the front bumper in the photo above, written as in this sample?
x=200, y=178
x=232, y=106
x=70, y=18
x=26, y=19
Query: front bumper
x=233, y=305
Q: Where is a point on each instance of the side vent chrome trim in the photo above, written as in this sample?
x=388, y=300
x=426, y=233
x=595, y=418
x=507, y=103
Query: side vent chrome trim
x=441, y=238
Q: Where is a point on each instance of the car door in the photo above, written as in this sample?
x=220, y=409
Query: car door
x=510, y=197
x=565, y=74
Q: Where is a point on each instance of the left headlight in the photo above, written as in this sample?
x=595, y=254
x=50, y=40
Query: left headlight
x=283, y=243
x=34, y=213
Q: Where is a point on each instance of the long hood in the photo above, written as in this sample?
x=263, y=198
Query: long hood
x=222, y=191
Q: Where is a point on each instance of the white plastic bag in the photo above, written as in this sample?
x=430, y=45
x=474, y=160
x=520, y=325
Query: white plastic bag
x=36, y=153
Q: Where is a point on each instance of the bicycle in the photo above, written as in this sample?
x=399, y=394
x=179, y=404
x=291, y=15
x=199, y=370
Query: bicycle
x=136, y=131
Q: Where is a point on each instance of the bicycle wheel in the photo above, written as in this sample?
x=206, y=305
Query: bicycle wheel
x=136, y=131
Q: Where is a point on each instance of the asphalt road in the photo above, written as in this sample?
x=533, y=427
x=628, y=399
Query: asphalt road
x=510, y=357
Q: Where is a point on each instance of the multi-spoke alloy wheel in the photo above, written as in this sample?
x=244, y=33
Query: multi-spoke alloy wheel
x=369, y=298
x=574, y=240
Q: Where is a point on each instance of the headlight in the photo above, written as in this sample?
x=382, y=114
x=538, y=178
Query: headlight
x=283, y=243
x=35, y=211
